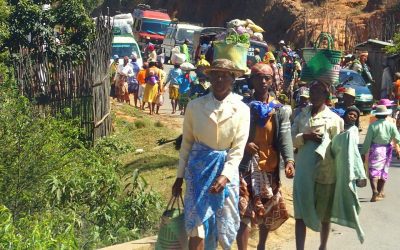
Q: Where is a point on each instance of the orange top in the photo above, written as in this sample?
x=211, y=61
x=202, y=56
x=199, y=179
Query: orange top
x=264, y=139
x=396, y=89
x=141, y=76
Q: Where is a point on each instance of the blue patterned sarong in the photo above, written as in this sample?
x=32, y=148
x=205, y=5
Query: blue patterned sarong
x=218, y=213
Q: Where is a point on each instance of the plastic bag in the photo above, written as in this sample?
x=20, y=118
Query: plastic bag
x=160, y=100
x=178, y=58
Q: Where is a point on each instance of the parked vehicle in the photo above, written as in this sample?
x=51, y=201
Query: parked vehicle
x=203, y=37
x=126, y=45
x=262, y=46
x=150, y=25
x=352, y=79
x=176, y=34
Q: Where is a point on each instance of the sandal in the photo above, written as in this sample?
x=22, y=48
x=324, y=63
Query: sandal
x=374, y=197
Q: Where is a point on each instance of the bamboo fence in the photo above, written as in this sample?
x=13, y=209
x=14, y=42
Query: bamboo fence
x=59, y=87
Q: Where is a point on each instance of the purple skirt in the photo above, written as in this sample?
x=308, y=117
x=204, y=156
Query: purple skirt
x=379, y=158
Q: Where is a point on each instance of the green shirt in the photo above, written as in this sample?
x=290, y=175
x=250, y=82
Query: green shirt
x=185, y=50
x=380, y=132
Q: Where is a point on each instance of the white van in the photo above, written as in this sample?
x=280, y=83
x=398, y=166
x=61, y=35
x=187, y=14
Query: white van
x=176, y=35
x=126, y=45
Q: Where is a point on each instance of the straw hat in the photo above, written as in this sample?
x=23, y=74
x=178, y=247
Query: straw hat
x=351, y=92
x=381, y=110
x=384, y=102
x=304, y=92
x=224, y=65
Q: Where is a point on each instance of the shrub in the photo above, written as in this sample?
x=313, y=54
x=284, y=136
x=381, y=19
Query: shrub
x=140, y=124
x=158, y=124
x=60, y=193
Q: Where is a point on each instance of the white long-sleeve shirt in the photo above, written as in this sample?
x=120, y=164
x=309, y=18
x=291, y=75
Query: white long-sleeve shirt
x=221, y=125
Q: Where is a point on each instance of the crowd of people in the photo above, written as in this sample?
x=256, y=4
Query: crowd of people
x=233, y=145
x=148, y=83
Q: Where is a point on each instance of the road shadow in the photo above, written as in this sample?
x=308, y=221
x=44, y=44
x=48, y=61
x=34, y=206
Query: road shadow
x=362, y=200
x=146, y=163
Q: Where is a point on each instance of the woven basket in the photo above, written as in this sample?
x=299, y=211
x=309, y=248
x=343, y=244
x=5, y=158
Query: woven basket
x=321, y=64
x=172, y=234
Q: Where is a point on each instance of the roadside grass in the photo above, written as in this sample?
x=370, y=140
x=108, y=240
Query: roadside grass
x=156, y=164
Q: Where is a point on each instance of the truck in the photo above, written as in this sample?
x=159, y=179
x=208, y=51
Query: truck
x=150, y=25
x=176, y=35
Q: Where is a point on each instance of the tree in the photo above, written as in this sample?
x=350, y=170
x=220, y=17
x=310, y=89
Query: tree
x=33, y=27
x=396, y=48
x=90, y=5
x=4, y=35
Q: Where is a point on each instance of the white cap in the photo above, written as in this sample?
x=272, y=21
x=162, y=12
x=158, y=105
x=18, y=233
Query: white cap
x=281, y=42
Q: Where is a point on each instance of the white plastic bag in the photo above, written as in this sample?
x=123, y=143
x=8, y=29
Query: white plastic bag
x=178, y=58
x=160, y=100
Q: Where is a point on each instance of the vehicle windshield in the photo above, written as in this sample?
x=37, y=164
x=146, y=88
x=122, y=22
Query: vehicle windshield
x=125, y=49
x=185, y=34
x=350, y=78
x=156, y=27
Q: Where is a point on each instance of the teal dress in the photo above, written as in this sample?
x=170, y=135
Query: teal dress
x=313, y=166
x=345, y=207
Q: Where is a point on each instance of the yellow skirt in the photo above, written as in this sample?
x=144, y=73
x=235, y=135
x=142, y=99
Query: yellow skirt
x=173, y=92
x=150, y=93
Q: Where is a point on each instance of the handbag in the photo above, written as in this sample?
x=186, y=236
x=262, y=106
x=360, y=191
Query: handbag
x=361, y=183
x=275, y=212
x=172, y=234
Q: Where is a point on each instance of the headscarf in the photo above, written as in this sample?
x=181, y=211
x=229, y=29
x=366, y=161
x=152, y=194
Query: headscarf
x=262, y=69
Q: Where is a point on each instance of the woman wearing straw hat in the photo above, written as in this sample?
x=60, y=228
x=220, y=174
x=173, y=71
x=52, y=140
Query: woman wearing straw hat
x=215, y=132
x=389, y=105
x=377, y=141
x=314, y=182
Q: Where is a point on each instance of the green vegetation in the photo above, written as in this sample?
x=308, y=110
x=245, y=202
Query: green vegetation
x=157, y=164
x=33, y=27
x=396, y=48
x=56, y=192
x=69, y=195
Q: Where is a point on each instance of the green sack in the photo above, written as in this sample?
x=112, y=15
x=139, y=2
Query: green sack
x=172, y=234
x=234, y=48
x=321, y=64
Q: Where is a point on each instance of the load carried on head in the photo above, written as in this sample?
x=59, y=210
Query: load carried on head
x=322, y=62
x=234, y=43
x=247, y=27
